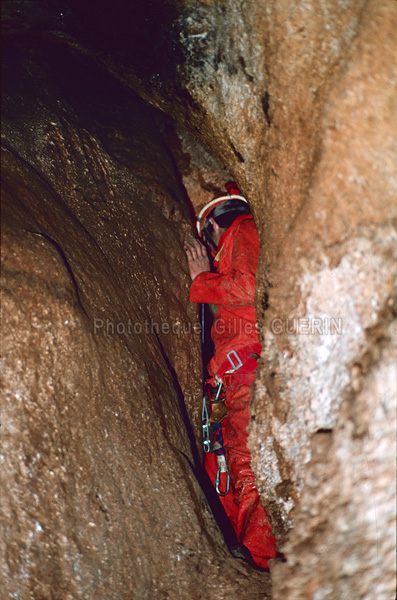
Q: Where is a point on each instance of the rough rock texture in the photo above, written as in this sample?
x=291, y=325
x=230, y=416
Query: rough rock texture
x=101, y=364
x=202, y=174
x=298, y=101
x=342, y=544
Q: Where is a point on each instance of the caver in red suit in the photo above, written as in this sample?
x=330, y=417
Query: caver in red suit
x=232, y=288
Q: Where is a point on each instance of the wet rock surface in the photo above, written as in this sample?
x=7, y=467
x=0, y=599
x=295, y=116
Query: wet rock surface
x=101, y=362
x=303, y=100
x=297, y=101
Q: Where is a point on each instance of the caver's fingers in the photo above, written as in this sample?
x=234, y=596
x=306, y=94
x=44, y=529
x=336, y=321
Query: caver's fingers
x=202, y=250
x=194, y=248
x=197, y=258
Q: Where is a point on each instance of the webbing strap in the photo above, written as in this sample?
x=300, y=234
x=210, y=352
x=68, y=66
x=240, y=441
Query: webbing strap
x=242, y=362
x=218, y=438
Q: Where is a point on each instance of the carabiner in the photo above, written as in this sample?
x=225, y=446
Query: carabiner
x=218, y=391
x=218, y=481
x=208, y=442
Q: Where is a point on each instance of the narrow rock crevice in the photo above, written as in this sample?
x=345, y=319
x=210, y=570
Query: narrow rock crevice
x=118, y=124
x=103, y=491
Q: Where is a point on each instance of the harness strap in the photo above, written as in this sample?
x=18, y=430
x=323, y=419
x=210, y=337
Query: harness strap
x=234, y=380
x=239, y=367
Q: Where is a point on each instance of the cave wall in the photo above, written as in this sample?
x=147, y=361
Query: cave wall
x=297, y=100
x=101, y=386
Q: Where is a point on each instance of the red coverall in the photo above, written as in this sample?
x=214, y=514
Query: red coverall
x=232, y=288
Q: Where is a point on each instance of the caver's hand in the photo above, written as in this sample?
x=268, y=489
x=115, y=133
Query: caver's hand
x=197, y=257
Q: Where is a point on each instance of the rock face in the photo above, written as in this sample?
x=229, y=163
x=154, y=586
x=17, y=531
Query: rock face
x=101, y=358
x=297, y=101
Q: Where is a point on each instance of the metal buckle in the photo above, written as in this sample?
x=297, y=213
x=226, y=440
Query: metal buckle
x=239, y=363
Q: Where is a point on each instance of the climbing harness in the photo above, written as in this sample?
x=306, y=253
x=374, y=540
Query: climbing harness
x=245, y=359
x=239, y=367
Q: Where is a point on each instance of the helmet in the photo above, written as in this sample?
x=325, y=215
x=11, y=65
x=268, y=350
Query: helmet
x=233, y=194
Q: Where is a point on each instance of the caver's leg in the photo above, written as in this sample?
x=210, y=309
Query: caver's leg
x=252, y=526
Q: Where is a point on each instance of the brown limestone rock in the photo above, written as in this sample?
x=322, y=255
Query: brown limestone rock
x=203, y=175
x=343, y=540
x=328, y=335
x=298, y=102
x=101, y=365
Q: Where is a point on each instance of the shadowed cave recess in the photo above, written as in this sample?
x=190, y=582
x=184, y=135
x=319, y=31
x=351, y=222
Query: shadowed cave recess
x=120, y=120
